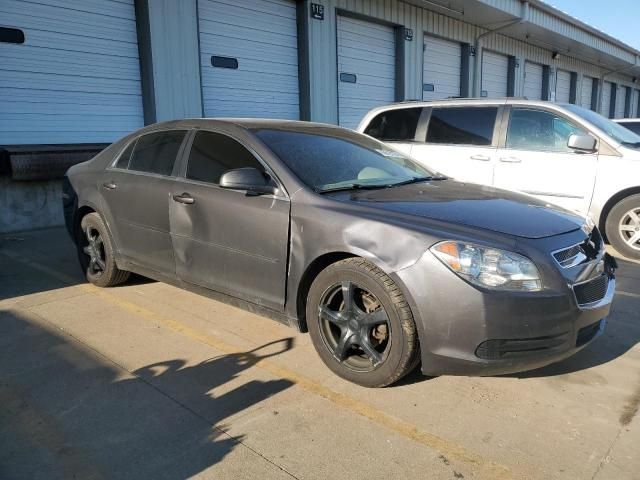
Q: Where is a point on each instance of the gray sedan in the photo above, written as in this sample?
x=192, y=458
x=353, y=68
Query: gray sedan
x=386, y=264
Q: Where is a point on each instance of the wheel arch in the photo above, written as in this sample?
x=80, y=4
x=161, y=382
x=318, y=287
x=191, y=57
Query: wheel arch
x=311, y=272
x=608, y=206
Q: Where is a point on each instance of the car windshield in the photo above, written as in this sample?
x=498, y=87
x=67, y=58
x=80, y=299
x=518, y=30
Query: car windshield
x=615, y=131
x=331, y=159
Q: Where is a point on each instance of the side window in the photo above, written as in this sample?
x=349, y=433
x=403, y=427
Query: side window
x=212, y=154
x=395, y=125
x=539, y=130
x=462, y=125
x=156, y=152
x=123, y=161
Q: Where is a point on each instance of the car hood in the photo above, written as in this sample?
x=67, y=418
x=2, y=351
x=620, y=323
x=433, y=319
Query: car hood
x=472, y=205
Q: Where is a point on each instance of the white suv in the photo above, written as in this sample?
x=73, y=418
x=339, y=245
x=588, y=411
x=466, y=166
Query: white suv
x=562, y=153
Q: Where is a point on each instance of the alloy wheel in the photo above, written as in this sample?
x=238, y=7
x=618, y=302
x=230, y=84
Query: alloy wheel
x=94, y=249
x=354, y=326
x=629, y=228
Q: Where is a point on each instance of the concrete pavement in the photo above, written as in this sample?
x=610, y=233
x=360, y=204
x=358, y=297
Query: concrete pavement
x=149, y=381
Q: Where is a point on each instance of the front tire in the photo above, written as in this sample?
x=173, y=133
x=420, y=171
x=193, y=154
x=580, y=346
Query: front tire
x=623, y=227
x=361, y=325
x=96, y=253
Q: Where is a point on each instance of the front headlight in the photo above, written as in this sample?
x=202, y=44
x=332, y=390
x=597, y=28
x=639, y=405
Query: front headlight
x=489, y=267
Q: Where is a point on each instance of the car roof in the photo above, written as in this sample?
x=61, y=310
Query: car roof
x=246, y=123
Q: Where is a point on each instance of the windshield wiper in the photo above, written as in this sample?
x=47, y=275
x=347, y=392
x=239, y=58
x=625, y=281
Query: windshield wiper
x=631, y=144
x=351, y=186
x=376, y=186
x=417, y=180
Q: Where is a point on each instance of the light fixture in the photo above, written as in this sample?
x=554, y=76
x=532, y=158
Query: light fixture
x=555, y=55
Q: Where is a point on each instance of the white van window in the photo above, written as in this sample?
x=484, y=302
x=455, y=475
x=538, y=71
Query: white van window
x=540, y=130
x=462, y=125
x=395, y=125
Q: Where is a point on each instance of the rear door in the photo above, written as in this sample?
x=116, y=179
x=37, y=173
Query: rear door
x=135, y=199
x=228, y=240
x=460, y=142
x=536, y=160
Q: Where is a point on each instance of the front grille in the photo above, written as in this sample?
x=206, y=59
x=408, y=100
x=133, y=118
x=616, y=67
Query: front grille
x=583, y=252
x=591, y=291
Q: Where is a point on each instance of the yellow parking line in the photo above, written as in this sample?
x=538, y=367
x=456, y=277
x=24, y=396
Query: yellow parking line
x=451, y=450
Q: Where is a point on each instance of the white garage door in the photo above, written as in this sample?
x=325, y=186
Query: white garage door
x=620, y=99
x=533, y=81
x=76, y=77
x=366, y=68
x=441, y=69
x=563, y=86
x=606, y=98
x=249, y=58
x=495, y=67
x=587, y=91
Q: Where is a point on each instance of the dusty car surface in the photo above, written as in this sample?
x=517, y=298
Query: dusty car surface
x=386, y=264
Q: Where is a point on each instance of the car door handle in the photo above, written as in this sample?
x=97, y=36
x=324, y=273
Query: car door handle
x=482, y=158
x=109, y=186
x=184, y=198
x=510, y=159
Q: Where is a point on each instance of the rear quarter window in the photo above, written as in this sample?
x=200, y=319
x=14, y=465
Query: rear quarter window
x=462, y=125
x=395, y=125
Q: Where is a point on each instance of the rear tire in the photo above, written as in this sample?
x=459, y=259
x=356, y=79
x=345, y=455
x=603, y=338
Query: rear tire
x=623, y=227
x=374, y=342
x=96, y=253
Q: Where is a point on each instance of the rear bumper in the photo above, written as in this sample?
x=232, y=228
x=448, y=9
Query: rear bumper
x=466, y=331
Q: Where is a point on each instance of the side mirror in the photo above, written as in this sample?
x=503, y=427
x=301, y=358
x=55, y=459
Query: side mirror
x=582, y=143
x=250, y=179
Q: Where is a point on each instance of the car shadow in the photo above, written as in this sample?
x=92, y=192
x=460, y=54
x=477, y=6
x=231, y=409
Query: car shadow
x=69, y=412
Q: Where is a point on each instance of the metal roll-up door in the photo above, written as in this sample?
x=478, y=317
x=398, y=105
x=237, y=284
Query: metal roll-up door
x=606, y=99
x=366, y=68
x=533, y=74
x=249, y=58
x=495, y=68
x=587, y=91
x=441, y=65
x=620, y=99
x=75, y=78
x=563, y=86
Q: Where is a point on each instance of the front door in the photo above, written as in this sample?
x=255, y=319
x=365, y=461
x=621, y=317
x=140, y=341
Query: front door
x=228, y=240
x=536, y=160
x=135, y=197
x=459, y=143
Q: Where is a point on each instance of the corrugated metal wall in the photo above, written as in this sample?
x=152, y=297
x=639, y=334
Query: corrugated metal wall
x=76, y=78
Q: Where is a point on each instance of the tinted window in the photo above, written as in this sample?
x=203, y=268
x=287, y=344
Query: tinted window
x=326, y=160
x=123, y=161
x=539, y=130
x=395, y=124
x=212, y=154
x=462, y=126
x=156, y=152
x=633, y=126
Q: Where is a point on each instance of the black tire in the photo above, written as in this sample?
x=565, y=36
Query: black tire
x=621, y=228
x=394, y=337
x=105, y=273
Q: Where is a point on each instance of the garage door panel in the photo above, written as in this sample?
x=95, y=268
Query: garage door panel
x=620, y=99
x=494, y=74
x=533, y=76
x=606, y=99
x=265, y=84
x=563, y=86
x=441, y=68
x=70, y=85
x=366, y=50
x=587, y=91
